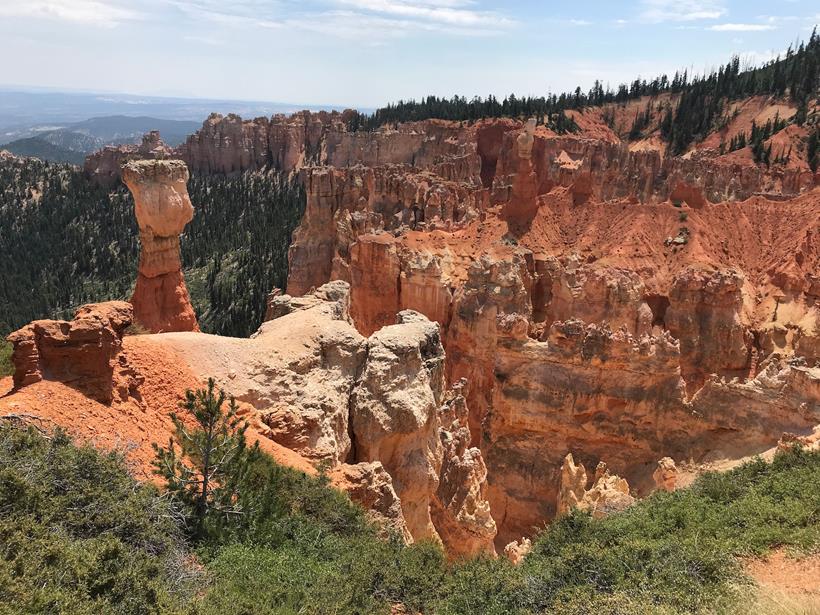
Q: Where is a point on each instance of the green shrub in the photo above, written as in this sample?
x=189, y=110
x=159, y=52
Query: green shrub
x=79, y=535
x=6, y=366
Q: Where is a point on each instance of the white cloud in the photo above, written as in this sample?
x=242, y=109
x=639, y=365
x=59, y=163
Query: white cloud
x=368, y=21
x=451, y=12
x=94, y=12
x=741, y=27
x=657, y=11
x=749, y=59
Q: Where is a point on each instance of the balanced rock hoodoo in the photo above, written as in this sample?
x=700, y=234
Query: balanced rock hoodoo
x=163, y=208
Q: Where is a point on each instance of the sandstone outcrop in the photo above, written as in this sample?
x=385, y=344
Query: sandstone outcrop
x=666, y=475
x=83, y=353
x=705, y=315
x=593, y=162
x=346, y=204
x=105, y=166
x=395, y=413
x=461, y=510
x=544, y=260
x=163, y=208
x=370, y=408
x=369, y=485
x=608, y=494
x=517, y=550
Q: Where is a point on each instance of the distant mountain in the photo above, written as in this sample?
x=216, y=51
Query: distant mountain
x=57, y=124
x=125, y=129
x=20, y=110
x=35, y=147
x=73, y=142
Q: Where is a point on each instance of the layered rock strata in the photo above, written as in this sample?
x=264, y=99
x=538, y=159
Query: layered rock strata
x=600, y=296
x=104, y=167
x=578, y=326
x=369, y=485
x=593, y=162
x=608, y=494
x=83, y=353
x=163, y=208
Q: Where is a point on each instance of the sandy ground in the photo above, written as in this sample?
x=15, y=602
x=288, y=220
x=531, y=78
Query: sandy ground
x=786, y=585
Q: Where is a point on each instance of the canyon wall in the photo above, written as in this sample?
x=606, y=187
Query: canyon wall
x=593, y=296
x=600, y=301
x=336, y=397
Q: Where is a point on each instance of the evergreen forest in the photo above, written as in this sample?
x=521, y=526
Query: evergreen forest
x=67, y=242
x=702, y=100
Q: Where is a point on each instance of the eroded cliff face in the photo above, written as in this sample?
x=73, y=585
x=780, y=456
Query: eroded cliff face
x=325, y=391
x=104, y=167
x=374, y=411
x=83, y=353
x=163, y=208
x=599, y=299
x=602, y=299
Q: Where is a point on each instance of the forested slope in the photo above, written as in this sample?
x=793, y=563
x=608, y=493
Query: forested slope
x=699, y=103
x=65, y=242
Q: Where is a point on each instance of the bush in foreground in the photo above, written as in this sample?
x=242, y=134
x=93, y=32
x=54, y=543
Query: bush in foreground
x=79, y=535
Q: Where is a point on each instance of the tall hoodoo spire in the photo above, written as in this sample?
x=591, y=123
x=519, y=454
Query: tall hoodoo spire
x=163, y=208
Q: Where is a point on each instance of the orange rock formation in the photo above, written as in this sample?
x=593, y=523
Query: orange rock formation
x=163, y=208
x=599, y=296
x=82, y=353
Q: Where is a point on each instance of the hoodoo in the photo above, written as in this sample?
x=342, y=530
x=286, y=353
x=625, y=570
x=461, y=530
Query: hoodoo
x=163, y=208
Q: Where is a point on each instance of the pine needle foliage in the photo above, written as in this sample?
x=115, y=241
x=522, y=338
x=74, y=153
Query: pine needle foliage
x=213, y=458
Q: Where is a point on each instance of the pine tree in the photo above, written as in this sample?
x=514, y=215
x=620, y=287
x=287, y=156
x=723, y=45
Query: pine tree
x=213, y=459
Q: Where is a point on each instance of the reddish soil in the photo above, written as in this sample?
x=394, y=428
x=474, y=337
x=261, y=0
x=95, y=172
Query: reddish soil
x=131, y=426
x=792, y=575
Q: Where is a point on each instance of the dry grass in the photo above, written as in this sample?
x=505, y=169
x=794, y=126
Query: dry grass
x=772, y=601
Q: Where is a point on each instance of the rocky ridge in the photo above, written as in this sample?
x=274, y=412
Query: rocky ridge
x=374, y=411
x=565, y=300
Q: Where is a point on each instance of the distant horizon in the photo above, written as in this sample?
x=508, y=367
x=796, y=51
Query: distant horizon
x=11, y=88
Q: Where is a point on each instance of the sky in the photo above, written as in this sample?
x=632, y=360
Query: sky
x=369, y=52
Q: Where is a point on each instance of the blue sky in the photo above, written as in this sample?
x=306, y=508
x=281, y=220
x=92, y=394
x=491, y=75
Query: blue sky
x=368, y=52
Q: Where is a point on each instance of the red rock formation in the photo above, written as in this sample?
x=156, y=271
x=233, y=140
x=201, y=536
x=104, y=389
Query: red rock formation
x=545, y=261
x=162, y=207
x=227, y=145
x=105, y=166
x=369, y=485
x=83, y=353
x=321, y=389
x=610, y=384
x=705, y=315
x=666, y=475
x=517, y=550
x=344, y=204
x=460, y=511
